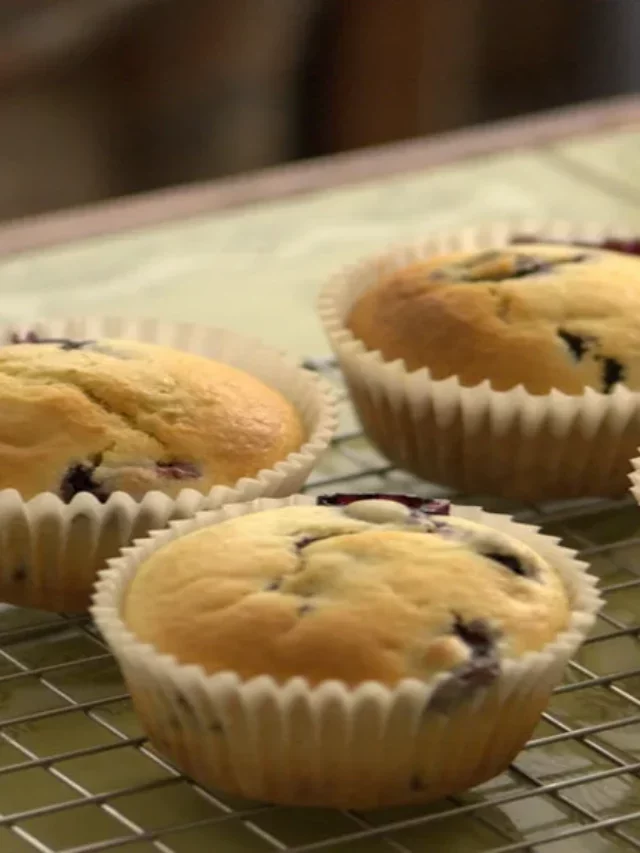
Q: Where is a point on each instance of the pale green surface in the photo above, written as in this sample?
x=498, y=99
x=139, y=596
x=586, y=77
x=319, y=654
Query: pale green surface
x=258, y=270
x=614, y=156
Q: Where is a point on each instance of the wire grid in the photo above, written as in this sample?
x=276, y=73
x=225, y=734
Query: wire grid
x=77, y=774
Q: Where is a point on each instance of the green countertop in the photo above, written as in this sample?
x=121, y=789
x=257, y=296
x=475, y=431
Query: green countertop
x=257, y=269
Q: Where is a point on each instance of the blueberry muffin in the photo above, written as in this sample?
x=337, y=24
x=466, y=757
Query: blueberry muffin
x=102, y=416
x=540, y=315
x=368, y=591
x=371, y=650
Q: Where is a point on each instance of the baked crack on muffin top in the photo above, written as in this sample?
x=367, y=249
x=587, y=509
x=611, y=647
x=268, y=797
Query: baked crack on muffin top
x=114, y=415
x=355, y=589
x=540, y=315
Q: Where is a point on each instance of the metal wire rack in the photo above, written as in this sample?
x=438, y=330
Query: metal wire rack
x=78, y=776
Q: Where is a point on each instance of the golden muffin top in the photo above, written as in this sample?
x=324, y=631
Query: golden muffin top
x=108, y=415
x=539, y=315
x=373, y=590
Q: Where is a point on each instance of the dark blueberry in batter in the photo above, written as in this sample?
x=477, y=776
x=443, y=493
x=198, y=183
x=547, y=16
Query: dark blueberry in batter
x=577, y=344
x=429, y=506
x=34, y=338
x=307, y=540
x=612, y=374
x=498, y=266
x=476, y=634
x=526, y=265
x=176, y=470
x=481, y=670
x=66, y=344
x=509, y=562
x=79, y=479
x=28, y=338
x=612, y=370
x=538, y=265
x=624, y=247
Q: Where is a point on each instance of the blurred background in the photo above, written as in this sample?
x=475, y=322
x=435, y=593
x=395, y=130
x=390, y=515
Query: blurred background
x=103, y=98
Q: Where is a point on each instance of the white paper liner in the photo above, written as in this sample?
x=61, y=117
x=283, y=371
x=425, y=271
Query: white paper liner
x=332, y=745
x=50, y=552
x=634, y=476
x=510, y=444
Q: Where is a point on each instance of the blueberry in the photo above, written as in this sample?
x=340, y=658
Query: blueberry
x=612, y=373
x=497, y=265
x=526, y=265
x=429, y=506
x=624, y=247
x=577, y=344
x=479, y=671
x=509, y=561
x=307, y=540
x=64, y=343
x=79, y=479
x=476, y=634
x=67, y=344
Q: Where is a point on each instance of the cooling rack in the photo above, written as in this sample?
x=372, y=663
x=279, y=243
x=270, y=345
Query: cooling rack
x=78, y=776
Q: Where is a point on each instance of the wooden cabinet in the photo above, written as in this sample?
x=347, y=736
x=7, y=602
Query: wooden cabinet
x=391, y=69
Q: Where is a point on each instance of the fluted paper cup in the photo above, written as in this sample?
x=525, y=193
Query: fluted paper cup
x=332, y=745
x=634, y=476
x=509, y=444
x=50, y=551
